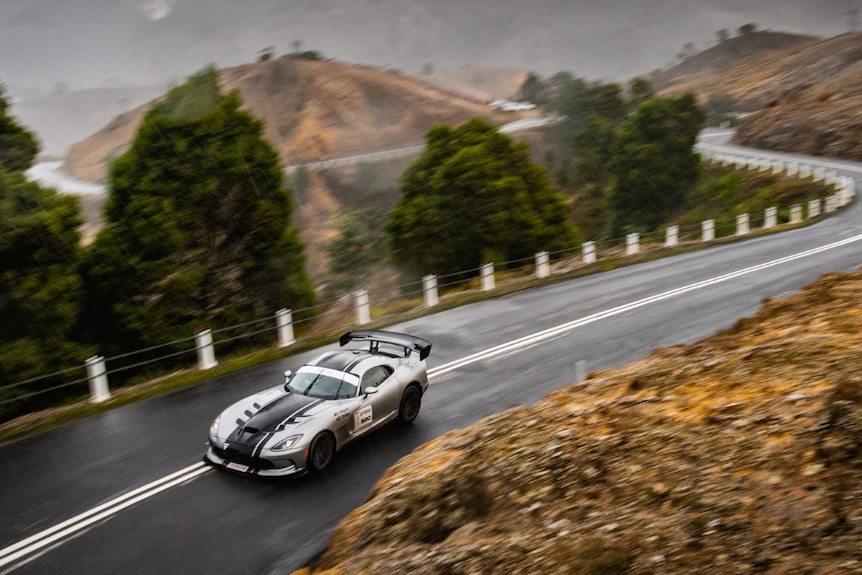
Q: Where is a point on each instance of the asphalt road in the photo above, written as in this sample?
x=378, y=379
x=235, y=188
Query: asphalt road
x=96, y=496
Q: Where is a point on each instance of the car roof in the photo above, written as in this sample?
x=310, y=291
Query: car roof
x=342, y=360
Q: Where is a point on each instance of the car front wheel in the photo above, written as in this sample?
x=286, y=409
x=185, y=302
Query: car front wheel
x=411, y=401
x=321, y=452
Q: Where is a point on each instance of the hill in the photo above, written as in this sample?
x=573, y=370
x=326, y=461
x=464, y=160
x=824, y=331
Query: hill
x=796, y=93
x=312, y=110
x=737, y=454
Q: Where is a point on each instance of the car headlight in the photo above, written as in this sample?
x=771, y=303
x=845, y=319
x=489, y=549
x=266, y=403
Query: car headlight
x=287, y=443
x=214, y=427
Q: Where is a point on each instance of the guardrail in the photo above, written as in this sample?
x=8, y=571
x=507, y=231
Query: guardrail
x=95, y=372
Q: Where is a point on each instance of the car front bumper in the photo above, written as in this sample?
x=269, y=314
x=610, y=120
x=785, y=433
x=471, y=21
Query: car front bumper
x=285, y=466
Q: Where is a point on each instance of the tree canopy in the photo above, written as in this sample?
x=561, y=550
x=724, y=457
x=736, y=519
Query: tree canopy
x=653, y=163
x=197, y=225
x=18, y=146
x=40, y=288
x=474, y=195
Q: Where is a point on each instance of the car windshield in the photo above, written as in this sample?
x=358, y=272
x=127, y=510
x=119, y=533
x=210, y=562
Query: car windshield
x=322, y=386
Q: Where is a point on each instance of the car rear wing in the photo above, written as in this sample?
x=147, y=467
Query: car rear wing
x=376, y=337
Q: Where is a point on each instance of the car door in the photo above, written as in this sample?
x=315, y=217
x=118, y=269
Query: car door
x=388, y=395
x=373, y=407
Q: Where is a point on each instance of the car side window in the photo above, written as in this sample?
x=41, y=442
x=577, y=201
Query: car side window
x=375, y=376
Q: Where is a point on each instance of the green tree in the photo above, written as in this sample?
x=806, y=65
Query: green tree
x=575, y=101
x=654, y=164
x=197, y=228
x=18, y=146
x=474, y=195
x=639, y=91
x=609, y=103
x=747, y=29
x=594, y=146
x=40, y=288
x=532, y=90
x=359, y=247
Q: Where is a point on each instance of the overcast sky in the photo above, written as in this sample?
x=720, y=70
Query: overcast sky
x=76, y=44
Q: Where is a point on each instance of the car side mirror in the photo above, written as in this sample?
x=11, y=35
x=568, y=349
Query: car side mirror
x=287, y=375
x=370, y=390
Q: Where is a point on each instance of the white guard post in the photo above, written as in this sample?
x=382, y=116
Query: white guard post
x=363, y=312
x=671, y=236
x=770, y=218
x=814, y=208
x=487, y=272
x=429, y=288
x=97, y=375
x=589, y=252
x=543, y=269
x=580, y=371
x=632, y=244
x=206, y=350
x=707, y=230
x=741, y=224
x=795, y=214
x=284, y=324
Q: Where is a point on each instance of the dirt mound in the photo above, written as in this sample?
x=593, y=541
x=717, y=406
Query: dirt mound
x=797, y=93
x=740, y=453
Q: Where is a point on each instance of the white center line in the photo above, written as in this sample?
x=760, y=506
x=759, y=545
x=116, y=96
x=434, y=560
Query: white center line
x=33, y=543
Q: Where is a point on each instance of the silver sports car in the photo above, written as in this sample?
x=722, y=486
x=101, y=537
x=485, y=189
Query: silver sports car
x=298, y=426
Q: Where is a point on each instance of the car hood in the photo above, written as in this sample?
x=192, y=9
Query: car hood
x=248, y=420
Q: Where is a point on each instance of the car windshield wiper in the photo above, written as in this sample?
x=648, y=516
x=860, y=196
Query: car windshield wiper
x=310, y=385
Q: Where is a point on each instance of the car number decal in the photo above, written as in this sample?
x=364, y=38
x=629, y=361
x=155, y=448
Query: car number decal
x=363, y=417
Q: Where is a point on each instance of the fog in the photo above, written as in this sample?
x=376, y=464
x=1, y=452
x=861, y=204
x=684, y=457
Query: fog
x=58, y=45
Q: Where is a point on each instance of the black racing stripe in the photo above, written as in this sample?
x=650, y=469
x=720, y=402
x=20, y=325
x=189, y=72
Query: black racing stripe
x=267, y=436
x=276, y=411
x=353, y=364
x=259, y=447
x=341, y=360
x=299, y=413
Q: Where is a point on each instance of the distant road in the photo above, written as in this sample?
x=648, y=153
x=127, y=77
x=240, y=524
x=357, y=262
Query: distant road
x=518, y=125
x=50, y=174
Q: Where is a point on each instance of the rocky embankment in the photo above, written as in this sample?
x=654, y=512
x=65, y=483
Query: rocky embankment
x=812, y=104
x=794, y=93
x=738, y=454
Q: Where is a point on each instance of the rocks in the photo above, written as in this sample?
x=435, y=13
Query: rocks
x=719, y=464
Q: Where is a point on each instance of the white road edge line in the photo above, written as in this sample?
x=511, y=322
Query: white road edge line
x=36, y=542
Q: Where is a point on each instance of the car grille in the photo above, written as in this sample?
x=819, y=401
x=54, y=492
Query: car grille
x=235, y=456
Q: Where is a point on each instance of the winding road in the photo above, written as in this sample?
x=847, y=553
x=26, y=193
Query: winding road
x=125, y=492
